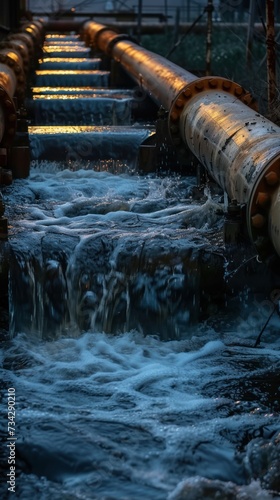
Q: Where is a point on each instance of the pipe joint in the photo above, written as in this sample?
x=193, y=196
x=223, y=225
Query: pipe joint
x=262, y=219
x=20, y=47
x=95, y=35
x=90, y=33
x=12, y=59
x=26, y=39
x=117, y=38
x=204, y=84
x=101, y=37
x=36, y=31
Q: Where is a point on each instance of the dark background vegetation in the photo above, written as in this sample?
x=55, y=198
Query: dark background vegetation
x=228, y=58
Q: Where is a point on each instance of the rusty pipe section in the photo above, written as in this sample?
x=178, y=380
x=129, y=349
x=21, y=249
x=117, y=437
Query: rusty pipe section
x=8, y=115
x=21, y=48
x=160, y=78
x=16, y=57
x=217, y=120
x=12, y=59
x=240, y=149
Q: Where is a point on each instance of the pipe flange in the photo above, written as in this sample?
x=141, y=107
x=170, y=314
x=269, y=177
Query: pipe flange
x=259, y=206
x=195, y=87
x=26, y=39
x=18, y=70
x=93, y=40
x=116, y=39
x=10, y=118
x=85, y=33
x=36, y=30
x=19, y=47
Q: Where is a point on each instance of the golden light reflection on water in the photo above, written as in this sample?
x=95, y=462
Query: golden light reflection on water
x=50, y=36
x=78, y=43
x=65, y=48
x=67, y=97
x=66, y=129
x=61, y=96
x=43, y=90
x=62, y=44
x=93, y=129
x=69, y=72
x=67, y=60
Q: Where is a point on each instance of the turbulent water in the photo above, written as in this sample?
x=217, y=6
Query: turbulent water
x=130, y=360
x=123, y=416
x=108, y=251
x=128, y=416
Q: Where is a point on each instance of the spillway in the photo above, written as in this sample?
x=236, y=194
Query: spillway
x=137, y=289
x=165, y=117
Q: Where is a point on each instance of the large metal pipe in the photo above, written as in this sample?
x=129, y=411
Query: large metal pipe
x=13, y=60
x=217, y=120
x=2, y=124
x=12, y=84
x=241, y=151
x=15, y=55
x=8, y=83
x=21, y=48
x=26, y=39
x=8, y=79
x=160, y=78
x=36, y=29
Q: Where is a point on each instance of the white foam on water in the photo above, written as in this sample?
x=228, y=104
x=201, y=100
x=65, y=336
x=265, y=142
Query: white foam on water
x=124, y=416
x=128, y=416
x=197, y=488
x=95, y=197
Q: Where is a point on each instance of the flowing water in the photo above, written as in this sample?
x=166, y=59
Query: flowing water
x=131, y=353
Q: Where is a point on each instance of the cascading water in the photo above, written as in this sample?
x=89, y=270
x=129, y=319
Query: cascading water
x=105, y=264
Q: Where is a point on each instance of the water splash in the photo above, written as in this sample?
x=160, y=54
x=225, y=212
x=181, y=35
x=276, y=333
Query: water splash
x=112, y=253
x=143, y=417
